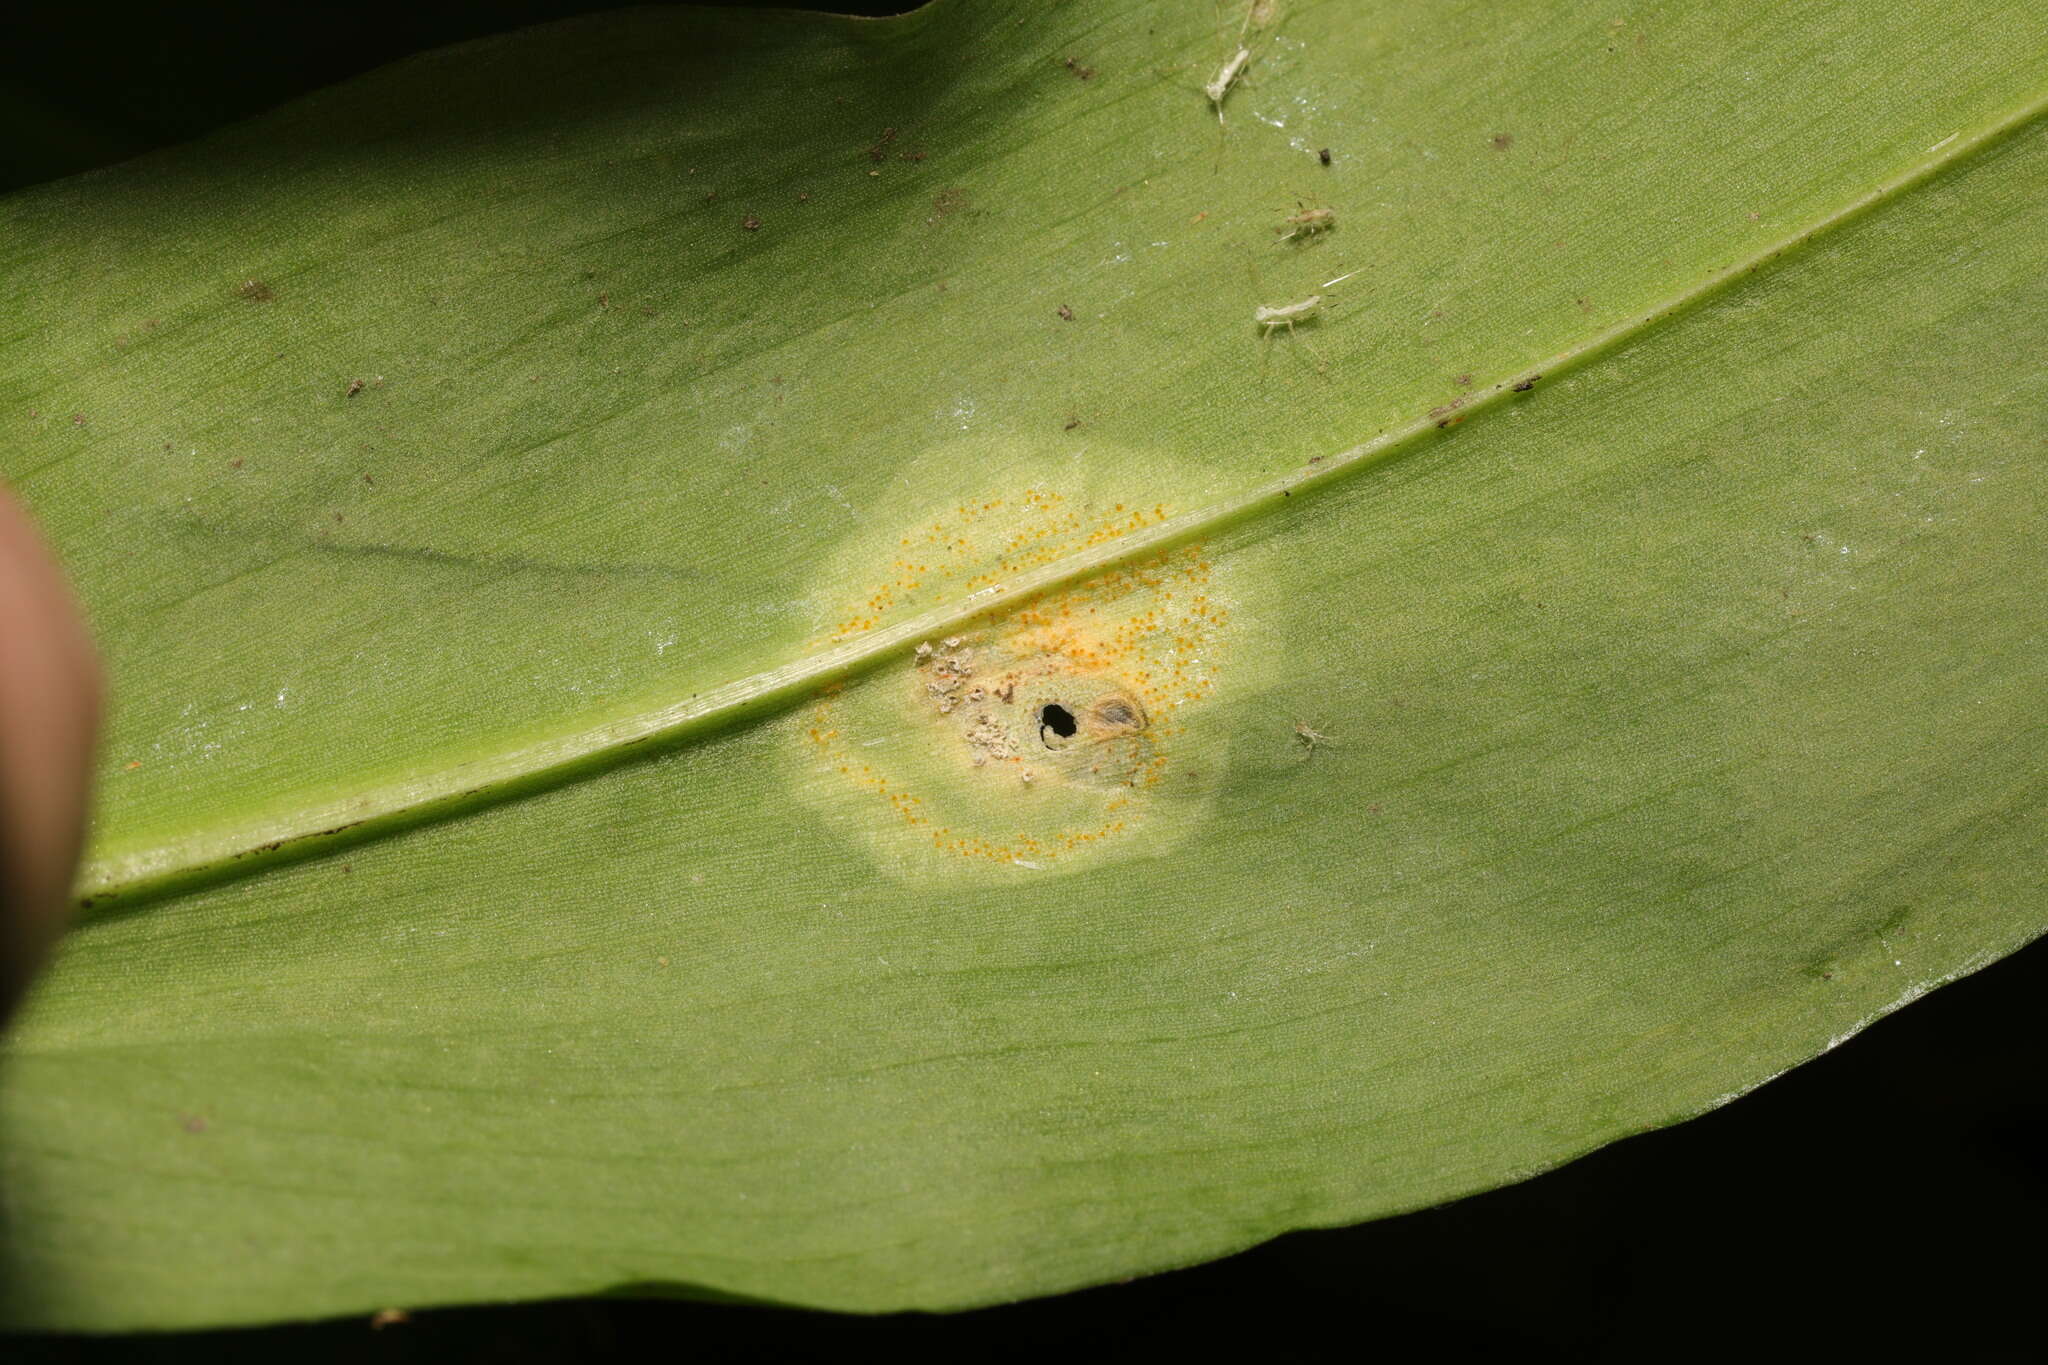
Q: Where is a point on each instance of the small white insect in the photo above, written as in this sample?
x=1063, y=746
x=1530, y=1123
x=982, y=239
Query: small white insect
x=1286, y=315
x=1309, y=738
x=1227, y=77
x=1307, y=223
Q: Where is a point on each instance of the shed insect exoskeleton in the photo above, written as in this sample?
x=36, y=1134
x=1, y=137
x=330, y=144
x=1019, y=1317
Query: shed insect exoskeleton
x=1286, y=315
x=1271, y=315
x=1225, y=78
x=1258, y=14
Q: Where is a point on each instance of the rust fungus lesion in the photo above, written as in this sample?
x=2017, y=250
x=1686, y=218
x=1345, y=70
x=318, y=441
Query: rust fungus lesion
x=1045, y=728
x=1043, y=712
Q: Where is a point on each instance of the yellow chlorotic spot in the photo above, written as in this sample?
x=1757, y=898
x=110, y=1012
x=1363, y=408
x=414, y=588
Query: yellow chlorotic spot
x=1049, y=727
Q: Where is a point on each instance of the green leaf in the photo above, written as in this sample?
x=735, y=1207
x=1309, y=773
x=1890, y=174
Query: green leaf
x=1591, y=666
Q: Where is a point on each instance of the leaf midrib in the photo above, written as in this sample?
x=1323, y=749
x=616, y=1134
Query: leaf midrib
x=244, y=845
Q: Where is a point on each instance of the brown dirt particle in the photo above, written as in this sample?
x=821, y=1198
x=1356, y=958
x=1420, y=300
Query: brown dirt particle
x=751, y=223
x=1066, y=313
x=355, y=386
x=1500, y=142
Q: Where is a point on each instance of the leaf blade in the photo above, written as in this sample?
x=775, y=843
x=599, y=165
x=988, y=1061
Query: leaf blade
x=1564, y=923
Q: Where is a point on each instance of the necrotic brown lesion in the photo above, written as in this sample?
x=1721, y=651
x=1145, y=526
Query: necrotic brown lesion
x=1116, y=714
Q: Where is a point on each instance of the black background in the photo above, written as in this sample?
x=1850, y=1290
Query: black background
x=1886, y=1200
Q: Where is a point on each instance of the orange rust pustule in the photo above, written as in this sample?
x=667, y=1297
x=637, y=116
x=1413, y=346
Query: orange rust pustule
x=976, y=545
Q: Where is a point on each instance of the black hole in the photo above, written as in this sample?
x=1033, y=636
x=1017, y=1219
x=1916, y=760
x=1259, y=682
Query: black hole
x=1058, y=719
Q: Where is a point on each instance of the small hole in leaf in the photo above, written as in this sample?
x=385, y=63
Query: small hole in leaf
x=1057, y=719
